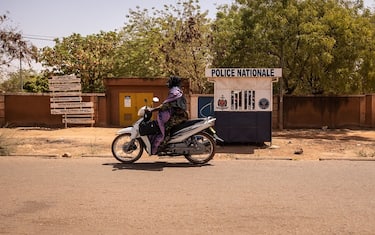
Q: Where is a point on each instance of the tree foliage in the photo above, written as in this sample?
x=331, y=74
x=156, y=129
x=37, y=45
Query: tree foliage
x=138, y=54
x=36, y=83
x=321, y=45
x=172, y=41
x=186, y=45
x=91, y=58
x=31, y=82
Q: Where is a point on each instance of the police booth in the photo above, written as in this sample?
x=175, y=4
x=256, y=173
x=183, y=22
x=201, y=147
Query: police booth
x=243, y=103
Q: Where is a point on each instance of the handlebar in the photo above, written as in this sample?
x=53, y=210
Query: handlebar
x=156, y=108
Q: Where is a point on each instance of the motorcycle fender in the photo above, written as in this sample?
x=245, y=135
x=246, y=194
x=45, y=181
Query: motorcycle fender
x=131, y=130
x=128, y=130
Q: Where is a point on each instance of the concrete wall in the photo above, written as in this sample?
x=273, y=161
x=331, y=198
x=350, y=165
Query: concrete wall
x=24, y=109
x=319, y=111
x=370, y=111
x=2, y=109
x=330, y=111
x=28, y=109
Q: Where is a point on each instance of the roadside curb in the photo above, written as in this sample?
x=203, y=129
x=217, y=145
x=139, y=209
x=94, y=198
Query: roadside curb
x=298, y=159
x=54, y=156
x=34, y=155
x=348, y=159
x=97, y=156
x=264, y=159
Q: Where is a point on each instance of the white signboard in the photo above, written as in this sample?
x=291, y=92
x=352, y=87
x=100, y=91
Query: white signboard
x=78, y=120
x=243, y=89
x=65, y=87
x=72, y=105
x=127, y=102
x=243, y=95
x=67, y=93
x=64, y=79
x=243, y=72
x=66, y=100
x=72, y=111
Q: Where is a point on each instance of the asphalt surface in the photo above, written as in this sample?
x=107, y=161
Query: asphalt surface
x=102, y=196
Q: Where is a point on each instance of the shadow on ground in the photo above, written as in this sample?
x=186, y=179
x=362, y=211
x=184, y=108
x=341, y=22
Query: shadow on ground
x=335, y=134
x=152, y=166
x=240, y=148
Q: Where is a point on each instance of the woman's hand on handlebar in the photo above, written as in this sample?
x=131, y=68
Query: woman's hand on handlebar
x=156, y=108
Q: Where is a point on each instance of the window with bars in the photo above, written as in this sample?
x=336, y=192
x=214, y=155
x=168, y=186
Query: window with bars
x=242, y=100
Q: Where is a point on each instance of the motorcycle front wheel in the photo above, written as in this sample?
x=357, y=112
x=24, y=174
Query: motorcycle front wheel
x=125, y=150
x=206, y=145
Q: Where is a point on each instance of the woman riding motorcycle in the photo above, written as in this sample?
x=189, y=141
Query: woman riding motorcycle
x=171, y=112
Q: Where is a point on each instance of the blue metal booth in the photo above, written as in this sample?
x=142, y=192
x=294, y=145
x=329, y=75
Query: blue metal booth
x=243, y=103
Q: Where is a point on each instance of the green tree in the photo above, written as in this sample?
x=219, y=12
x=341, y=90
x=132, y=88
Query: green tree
x=225, y=44
x=91, y=58
x=186, y=45
x=172, y=41
x=11, y=83
x=36, y=83
x=138, y=54
x=320, y=44
x=366, y=65
x=32, y=82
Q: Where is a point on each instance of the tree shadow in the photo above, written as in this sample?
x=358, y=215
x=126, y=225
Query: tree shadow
x=152, y=166
x=334, y=134
x=240, y=148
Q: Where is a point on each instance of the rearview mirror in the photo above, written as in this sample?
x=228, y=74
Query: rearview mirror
x=155, y=99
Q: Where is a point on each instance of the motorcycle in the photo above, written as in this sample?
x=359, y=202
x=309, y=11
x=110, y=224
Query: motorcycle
x=194, y=139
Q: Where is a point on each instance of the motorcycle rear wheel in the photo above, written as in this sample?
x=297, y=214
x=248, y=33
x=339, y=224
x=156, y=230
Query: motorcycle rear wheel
x=208, y=142
x=125, y=151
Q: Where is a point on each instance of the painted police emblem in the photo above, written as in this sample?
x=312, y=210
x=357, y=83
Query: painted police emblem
x=264, y=103
x=222, y=103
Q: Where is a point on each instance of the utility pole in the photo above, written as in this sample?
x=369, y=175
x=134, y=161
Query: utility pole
x=281, y=91
x=21, y=80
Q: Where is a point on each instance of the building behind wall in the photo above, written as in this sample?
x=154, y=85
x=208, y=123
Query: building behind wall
x=125, y=96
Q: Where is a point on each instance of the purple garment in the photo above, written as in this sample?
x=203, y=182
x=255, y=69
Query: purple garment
x=163, y=117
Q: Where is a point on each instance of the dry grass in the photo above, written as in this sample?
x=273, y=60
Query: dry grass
x=7, y=144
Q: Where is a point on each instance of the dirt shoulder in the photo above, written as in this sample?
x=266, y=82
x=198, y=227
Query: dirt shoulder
x=286, y=144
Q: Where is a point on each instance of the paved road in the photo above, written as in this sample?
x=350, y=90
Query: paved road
x=100, y=196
